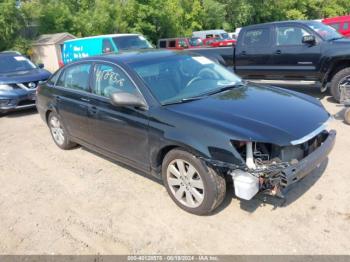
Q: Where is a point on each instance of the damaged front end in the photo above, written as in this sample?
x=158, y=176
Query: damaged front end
x=271, y=169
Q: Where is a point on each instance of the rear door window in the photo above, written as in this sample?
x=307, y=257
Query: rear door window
x=172, y=43
x=76, y=77
x=162, y=44
x=257, y=37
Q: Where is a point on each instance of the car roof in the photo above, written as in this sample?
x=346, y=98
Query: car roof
x=210, y=31
x=282, y=22
x=172, y=38
x=100, y=36
x=10, y=53
x=335, y=19
x=136, y=56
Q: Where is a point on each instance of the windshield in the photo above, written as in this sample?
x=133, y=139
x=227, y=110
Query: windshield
x=327, y=32
x=15, y=63
x=180, y=77
x=131, y=42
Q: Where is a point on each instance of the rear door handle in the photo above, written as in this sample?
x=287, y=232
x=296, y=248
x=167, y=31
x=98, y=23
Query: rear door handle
x=278, y=52
x=85, y=99
x=243, y=53
x=57, y=98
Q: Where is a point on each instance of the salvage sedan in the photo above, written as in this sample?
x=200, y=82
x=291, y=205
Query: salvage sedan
x=19, y=78
x=189, y=122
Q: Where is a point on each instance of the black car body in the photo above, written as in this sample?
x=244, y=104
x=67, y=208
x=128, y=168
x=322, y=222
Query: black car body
x=289, y=50
x=132, y=111
x=18, y=81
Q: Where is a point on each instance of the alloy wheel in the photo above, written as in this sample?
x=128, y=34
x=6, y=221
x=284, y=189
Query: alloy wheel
x=185, y=183
x=57, y=130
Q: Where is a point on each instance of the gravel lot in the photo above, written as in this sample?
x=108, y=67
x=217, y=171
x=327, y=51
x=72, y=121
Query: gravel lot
x=76, y=202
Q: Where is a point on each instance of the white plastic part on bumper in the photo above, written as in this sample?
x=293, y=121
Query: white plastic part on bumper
x=246, y=185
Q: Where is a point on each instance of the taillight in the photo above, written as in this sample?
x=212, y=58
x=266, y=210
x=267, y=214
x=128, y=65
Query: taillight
x=60, y=64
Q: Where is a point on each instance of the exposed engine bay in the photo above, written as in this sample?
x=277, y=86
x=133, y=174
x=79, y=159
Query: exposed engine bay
x=271, y=168
x=267, y=161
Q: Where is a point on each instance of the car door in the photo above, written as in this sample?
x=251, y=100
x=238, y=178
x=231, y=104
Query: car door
x=122, y=131
x=71, y=96
x=253, y=57
x=292, y=58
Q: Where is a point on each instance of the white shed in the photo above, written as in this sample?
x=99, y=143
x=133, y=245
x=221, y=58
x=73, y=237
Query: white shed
x=48, y=50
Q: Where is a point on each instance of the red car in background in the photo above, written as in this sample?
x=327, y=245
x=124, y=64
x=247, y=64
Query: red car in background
x=180, y=43
x=339, y=23
x=217, y=42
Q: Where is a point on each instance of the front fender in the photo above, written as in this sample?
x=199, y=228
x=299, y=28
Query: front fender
x=200, y=141
x=331, y=62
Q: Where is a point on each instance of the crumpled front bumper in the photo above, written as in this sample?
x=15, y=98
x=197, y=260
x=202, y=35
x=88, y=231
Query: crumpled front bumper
x=295, y=172
x=287, y=175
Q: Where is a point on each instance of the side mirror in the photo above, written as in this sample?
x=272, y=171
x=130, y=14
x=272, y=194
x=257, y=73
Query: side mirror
x=41, y=66
x=309, y=39
x=127, y=99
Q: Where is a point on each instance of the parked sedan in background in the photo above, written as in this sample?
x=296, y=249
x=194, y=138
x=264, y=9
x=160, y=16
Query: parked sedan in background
x=19, y=78
x=188, y=121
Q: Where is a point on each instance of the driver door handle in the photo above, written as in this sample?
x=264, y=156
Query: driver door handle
x=93, y=110
x=278, y=52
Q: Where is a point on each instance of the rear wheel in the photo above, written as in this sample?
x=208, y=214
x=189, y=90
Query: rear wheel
x=58, y=132
x=191, y=184
x=340, y=78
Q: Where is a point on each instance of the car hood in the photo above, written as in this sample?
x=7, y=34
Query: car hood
x=257, y=113
x=342, y=41
x=24, y=76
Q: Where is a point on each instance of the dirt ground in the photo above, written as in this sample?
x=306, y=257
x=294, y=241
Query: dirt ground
x=76, y=202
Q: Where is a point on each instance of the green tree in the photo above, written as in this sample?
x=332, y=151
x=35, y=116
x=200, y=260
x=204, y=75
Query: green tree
x=213, y=14
x=11, y=23
x=153, y=18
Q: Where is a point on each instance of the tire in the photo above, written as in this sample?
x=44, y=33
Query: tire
x=337, y=79
x=347, y=116
x=59, y=133
x=198, y=189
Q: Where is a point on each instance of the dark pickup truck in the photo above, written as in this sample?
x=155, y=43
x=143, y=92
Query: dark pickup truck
x=289, y=50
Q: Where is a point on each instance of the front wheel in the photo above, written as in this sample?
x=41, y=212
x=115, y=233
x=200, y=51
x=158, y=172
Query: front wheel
x=191, y=184
x=58, y=132
x=339, y=79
